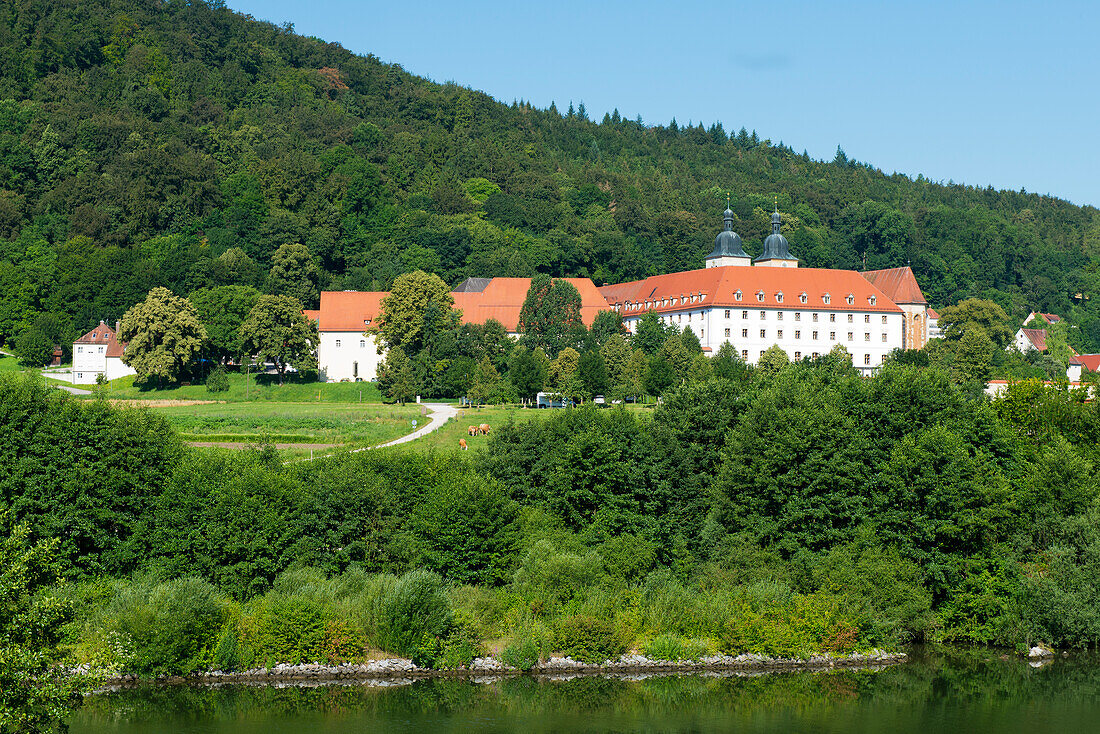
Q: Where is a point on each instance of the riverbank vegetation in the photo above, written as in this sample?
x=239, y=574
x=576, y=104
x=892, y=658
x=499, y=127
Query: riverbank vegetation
x=803, y=510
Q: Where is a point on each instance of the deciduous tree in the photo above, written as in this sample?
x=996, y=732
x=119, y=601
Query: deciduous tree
x=165, y=336
x=277, y=331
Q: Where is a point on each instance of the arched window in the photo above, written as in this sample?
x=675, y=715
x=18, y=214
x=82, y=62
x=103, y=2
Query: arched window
x=779, y=297
x=827, y=298
x=737, y=295
x=760, y=296
x=802, y=297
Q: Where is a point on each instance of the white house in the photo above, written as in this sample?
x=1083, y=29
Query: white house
x=98, y=353
x=805, y=311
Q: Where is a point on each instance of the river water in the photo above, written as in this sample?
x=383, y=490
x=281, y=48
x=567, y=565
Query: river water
x=956, y=691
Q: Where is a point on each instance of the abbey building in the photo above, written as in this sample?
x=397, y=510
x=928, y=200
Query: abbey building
x=757, y=303
x=751, y=303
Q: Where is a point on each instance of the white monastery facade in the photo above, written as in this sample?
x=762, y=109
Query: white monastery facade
x=751, y=303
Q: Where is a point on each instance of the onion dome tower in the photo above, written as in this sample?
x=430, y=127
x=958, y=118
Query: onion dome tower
x=777, y=252
x=727, y=245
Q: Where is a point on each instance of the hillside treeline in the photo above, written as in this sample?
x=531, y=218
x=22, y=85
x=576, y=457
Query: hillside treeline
x=808, y=509
x=142, y=141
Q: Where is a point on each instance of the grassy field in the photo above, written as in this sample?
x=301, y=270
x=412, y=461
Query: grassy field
x=447, y=437
x=9, y=364
x=259, y=388
x=350, y=424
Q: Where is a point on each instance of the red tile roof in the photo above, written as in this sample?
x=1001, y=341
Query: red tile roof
x=933, y=314
x=502, y=299
x=103, y=334
x=1037, y=337
x=349, y=310
x=758, y=287
x=1090, y=361
x=899, y=284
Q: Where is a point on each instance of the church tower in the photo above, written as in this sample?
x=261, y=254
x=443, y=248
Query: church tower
x=777, y=253
x=727, y=246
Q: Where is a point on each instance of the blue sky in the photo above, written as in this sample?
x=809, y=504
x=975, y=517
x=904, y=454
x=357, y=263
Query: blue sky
x=1001, y=93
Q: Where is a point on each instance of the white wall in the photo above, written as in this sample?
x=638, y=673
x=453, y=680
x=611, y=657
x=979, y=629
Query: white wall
x=347, y=355
x=116, y=369
x=89, y=360
x=871, y=339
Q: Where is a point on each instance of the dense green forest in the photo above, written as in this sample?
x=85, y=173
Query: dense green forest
x=152, y=143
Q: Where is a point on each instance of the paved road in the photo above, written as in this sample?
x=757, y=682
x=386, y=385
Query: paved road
x=73, y=390
x=440, y=413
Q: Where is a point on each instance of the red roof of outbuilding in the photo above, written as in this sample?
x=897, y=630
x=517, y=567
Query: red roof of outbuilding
x=1038, y=338
x=104, y=335
x=1090, y=361
x=899, y=284
x=759, y=287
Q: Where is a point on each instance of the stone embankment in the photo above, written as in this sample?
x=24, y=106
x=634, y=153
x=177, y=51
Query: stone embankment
x=555, y=667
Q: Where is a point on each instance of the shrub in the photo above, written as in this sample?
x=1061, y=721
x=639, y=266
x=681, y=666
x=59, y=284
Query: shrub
x=522, y=653
x=809, y=624
x=588, y=639
x=415, y=606
x=171, y=627
x=674, y=647
x=291, y=629
x=217, y=380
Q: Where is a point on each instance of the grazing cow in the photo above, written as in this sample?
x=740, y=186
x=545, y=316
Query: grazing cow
x=483, y=429
x=471, y=431
x=462, y=444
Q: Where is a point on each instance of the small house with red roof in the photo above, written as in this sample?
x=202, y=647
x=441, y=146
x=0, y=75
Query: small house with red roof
x=98, y=352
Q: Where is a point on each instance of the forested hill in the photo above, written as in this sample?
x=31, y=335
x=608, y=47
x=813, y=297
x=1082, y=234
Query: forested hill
x=140, y=140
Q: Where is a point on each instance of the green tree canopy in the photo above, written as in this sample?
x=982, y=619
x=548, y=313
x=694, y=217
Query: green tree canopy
x=294, y=274
x=404, y=308
x=277, y=331
x=397, y=377
x=550, y=310
x=165, y=336
x=222, y=310
x=956, y=321
x=35, y=692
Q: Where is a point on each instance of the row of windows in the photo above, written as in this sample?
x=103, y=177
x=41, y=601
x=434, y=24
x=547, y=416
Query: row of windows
x=362, y=343
x=798, y=316
x=80, y=350
x=815, y=355
x=798, y=335
x=803, y=297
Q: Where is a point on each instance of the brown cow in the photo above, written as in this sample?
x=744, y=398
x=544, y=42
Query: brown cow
x=471, y=431
x=462, y=444
x=483, y=429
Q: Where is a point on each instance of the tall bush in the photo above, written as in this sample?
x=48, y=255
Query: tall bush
x=416, y=606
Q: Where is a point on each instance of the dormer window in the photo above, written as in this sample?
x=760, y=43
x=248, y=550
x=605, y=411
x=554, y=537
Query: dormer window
x=850, y=299
x=802, y=297
x=779, y=297
x=871, y=300
x=760, y=296
x=702, y=297
x=827, y=298
x=737, y=295
x=366, y=322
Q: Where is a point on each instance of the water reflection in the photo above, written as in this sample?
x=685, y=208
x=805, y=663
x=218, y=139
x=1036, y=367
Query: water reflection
x=936, y=692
